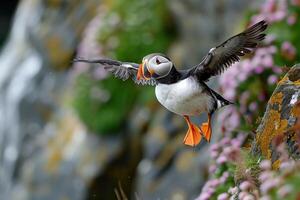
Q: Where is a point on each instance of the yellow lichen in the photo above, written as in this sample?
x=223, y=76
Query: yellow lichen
x=276, y=98
x=276, y=164
x=297, y=83
x=58, y=55
x=283, y=80
x=183, y=161
x=272, y=126
x=295, y=111
x=57, y=146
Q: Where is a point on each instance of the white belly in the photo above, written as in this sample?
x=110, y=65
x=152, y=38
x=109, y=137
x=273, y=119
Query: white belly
x=184, y=98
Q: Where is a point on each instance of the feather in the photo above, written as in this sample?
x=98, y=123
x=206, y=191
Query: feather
x=121, y=70
x=223, y=56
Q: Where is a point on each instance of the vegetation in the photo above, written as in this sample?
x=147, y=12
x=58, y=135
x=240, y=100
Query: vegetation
x=251, y=82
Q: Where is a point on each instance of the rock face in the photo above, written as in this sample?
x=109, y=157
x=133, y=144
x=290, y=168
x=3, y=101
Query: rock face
x=65, y=158
x=280, y=118
x=41, y=43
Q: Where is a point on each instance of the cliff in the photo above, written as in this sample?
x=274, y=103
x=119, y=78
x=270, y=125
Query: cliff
x=280, y=118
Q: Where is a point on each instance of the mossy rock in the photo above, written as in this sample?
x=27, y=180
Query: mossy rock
x=280, y=118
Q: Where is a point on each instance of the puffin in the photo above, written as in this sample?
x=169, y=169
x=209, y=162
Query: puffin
x=185, y=92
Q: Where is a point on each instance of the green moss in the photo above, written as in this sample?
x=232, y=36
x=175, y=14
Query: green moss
x=103, y=105
x=139, y=27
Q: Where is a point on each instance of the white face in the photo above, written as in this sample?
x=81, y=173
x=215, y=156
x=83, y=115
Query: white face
x=158, y=65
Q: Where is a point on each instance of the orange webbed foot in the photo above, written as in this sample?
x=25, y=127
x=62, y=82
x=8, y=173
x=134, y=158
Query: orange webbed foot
x=193, y=135
x=206, y=130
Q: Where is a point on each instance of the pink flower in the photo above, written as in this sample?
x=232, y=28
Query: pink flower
x=277, y=70
x=222, y=159
x=223, y=196
x=244, y=97
x=235, y=142
x=229, y=93
x=288, y=50
x=249, y=197
x=268, y=185
x=267, y=61
x=258, y=18
x=287, y=165
x=242, y=194
x=291, y=20
x=214, y=182
x=265, y=197
x=225, y=174
x=245, y=185
x=272, y=49
x=224, y=177
x=253, y=106
x=287, y=46
x=259, y=69
x=265, y=165
x=214, y=154
x=204, y=196
x=233, y=190
x=232, y=153
x=264, y=176
x=272, y=79
x=214, y=147
x=210, y=191
x=268, y=6
x=278, y=16
x=212, y=168
x=284, y=191
x=272, y=11
x=225, y=141
x=227, y=150
x=262, y=96
x=270, y=38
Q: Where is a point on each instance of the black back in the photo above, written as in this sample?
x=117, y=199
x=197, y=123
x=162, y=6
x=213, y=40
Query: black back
x=174, y=76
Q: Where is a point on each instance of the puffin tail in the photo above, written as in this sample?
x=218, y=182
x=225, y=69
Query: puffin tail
x=221, y=101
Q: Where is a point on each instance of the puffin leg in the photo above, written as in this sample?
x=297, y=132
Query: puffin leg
x=193, y=135
x=206, y=128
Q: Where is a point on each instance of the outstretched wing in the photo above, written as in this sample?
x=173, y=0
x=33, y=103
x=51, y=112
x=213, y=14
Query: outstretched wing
x=121, y=70
x=223, y=56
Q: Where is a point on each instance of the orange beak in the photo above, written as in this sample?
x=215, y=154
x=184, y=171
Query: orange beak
x=141, y=73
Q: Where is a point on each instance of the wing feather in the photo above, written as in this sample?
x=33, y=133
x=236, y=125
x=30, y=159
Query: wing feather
x=223, y=56
x=121, y=70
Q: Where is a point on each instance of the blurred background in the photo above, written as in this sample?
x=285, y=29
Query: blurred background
x=71, y=131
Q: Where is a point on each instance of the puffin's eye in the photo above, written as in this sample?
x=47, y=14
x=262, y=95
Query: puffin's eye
x=157, y=61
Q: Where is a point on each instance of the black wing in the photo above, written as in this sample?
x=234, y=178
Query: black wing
x=223, y=56
x=121, y=70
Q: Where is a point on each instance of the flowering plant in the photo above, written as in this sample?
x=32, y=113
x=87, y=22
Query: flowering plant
x=238, y=175
x=251, y=82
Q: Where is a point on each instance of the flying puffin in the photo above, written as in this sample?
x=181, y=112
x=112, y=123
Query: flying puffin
x=185, y=92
